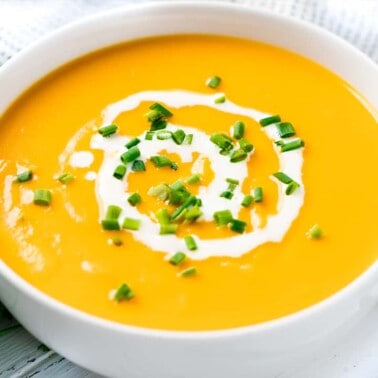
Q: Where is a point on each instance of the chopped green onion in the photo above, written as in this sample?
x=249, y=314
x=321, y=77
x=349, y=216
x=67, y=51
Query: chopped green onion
x=227, y=194
x=293, y=145
x=193, y=214
x=168, y=229
x=164, y=134
x=134, y=199
x=113, y=212
x=174, y=166
x=25, y=176
x=178, y=185
x=258, y=194
x=120, y=172
x=222, y=217
x=161, y=191
x=189, y=202
x=247, y=201
x=138, y=166
x=149, y=135
x=177, y=197
x=177, y=258
x=162, y=216
x=192, y=271
x=190, y=243
x=245, y=145
x=110, y=224
x=42, y=197
x=123, y=293
x=220, y=99
x=163, y=161
x=213, y=82
x=237, y=156
x=159, y=124
x=153, y=115
x=291, y=188
x=161, y=109
x=131, y=224
x=269, y=120
x=66, y=178
x=283, y=177
x=132, y=143
x=117, y=241
x=239, y=129
x=106, y=131
x=285, y=129
x=238, y=225
x=188, y=139
x=315, y=232
x=194, y=179
x=130, y=155
x=279, y=143
x=223, y=141
x=178, y=136
x=232, y=181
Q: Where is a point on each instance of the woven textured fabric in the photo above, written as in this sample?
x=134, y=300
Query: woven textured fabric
x=23, y=21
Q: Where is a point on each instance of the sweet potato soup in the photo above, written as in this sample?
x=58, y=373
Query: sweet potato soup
x=189, y=183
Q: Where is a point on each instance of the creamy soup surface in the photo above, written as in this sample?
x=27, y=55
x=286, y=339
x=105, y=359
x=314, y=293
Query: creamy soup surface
x=137, y=187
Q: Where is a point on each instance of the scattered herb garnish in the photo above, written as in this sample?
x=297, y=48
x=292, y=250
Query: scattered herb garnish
x=213, y=82
x=42, y=197
x=124, y=292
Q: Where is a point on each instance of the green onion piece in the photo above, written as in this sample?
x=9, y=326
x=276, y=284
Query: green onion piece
x=153, y=115
x=245, y=145
x=177, y=258
x=130, y=155
x=194, y=179
x=161, y=191
x=177, y=197
x=239, y=129
x=131, y=224
x=285, y=129
x=164, y=134
x=159, y=124
x=222, y=217
x=193, y=214
x=269, y=120
x=315, y=232
x=134, y=199
x=123, y=293
x=258, y=194
x=117, y=241
x=106, y=131
x=279, y=143
x=178, y=185
x=238, y=225
x=174, y=166
x=166, y=229
x=232, y=181
x=161, y=109
x=220, y=99
x=188, y=272
x=188, y=139
x=178, y=136
x=138, y=166
x=283, y=177
x=113, y=212
x=149, y=135
x=189, y=202
x=25, y=176
x=227, y=194
x=237, y=156
x=223, y=141
x=291, y=188
x=162, y=216
x=293, y=145
x=247, y=201
x=120, y=172
x=42, y=197
x=110, y=224
x=190, y=243
x=213, y=81
x=163, y=161
x=66, y=178
x=132, y=143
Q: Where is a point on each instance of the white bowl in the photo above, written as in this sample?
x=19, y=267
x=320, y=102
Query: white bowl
x=125, y=351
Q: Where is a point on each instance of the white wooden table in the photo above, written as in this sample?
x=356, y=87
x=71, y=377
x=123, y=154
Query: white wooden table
x=23, y=21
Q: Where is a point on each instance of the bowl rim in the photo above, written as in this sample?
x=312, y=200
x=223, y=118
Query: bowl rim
x=362, y=280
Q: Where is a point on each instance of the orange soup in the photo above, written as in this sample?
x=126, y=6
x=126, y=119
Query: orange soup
x=189, y=183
